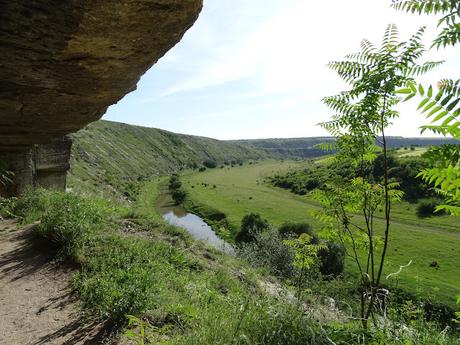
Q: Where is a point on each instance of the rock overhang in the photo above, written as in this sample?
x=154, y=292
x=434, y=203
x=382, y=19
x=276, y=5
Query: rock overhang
x=62, y=63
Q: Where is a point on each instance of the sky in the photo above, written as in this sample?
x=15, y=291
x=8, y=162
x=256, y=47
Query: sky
x=257, y=68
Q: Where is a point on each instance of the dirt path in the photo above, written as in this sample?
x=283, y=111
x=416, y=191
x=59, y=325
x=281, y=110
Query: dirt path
x=36, y=305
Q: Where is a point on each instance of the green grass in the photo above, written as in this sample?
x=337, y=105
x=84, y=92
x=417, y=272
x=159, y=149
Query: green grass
x=188, y=293
x=241, y=190
x=414, y=152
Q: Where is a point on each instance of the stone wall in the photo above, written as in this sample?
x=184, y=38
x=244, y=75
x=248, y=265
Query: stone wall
x=41, y=165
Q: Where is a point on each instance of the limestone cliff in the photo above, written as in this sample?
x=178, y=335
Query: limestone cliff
x=62, y=63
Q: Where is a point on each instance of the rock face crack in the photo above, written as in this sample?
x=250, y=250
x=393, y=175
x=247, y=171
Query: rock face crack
x=64, y=62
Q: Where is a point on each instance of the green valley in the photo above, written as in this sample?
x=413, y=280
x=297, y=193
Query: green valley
x=242, y=190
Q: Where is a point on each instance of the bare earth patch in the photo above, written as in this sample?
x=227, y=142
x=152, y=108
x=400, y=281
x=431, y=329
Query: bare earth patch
x=37, y=306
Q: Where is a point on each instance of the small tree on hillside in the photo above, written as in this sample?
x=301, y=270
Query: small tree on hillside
x=179, y=196
x=210, y=163
x=362, y=115
x=174, y=182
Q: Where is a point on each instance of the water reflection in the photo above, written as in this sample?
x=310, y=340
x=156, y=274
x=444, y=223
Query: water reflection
x=178, y=216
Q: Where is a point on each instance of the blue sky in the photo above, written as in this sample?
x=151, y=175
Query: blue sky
x=257, y=68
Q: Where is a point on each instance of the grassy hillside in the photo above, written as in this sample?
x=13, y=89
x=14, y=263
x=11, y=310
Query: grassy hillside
x=306, y=147
x=112, y=155
x=174, y=290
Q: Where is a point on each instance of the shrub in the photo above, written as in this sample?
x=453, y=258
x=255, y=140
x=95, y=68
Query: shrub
x=7, y=206
x=174, y=182
x=31, y=205
x=268, y=250
x=297, y=229
x=251, y=224
x=179, y=196
x=427, y=208
x=209, y=163
x=123, y=275
x=332, y=259
x=71, y=221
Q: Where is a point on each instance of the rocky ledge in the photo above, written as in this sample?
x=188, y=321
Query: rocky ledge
x=64, y=62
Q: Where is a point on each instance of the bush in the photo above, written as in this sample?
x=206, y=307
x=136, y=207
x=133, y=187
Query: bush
x=67, y=220
x=209, y=163
x=251, y=224
x=7, y=206
x=71, y=221
x=31, y=205
x=122, y=275
x=174, y=182
x=297, y=229
x=179, y=196
x=332, y=259
x=268, y=250
x=427, y=208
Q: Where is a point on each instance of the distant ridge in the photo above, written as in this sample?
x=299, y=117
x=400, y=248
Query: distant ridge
x=289, y=148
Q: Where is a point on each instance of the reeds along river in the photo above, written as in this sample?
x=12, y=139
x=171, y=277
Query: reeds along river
x=196, y=226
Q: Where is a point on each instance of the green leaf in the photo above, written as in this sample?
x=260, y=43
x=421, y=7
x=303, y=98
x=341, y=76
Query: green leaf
x=429, y=106
x=409, y=97
x=421, y=90
x=453, y=104
x=434, y=110
x=404, y=91
x=440, y=115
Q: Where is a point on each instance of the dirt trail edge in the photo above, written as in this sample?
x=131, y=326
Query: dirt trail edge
x=36, y=304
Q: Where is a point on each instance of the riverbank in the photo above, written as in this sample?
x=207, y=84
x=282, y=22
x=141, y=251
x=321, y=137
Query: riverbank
x=154, y=201
x=196, y=226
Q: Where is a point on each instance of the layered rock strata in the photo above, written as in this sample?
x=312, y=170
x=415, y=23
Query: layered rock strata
x=62, y=63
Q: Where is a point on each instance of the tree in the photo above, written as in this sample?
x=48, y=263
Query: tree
x=174, y=182
x=209, y=163
x=450, y=11
x=179, y=196
x=440, y=104
x=362, y=115
x=305, y=256
x=291, y=228
x=251, y=225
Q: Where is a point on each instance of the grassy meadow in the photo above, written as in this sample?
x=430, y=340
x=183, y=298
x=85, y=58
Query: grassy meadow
x=239, y=190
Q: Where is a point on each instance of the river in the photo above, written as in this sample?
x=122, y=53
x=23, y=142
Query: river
x=195, y=225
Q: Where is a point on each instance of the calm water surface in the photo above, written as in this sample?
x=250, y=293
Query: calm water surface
x=178, y=216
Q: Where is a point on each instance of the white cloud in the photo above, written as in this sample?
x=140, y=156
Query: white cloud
x=266, y=55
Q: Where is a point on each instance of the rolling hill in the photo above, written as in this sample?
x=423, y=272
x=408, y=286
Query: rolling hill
x=109, y=156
